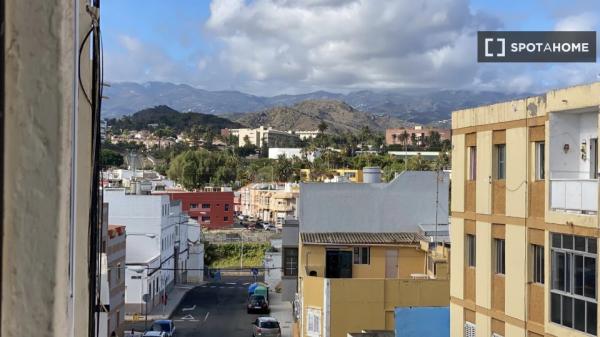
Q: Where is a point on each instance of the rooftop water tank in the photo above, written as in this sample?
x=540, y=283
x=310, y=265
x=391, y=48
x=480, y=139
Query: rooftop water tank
x=371, y=175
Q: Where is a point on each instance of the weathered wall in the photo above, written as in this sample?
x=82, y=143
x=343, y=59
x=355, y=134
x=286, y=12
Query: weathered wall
x=41, y=40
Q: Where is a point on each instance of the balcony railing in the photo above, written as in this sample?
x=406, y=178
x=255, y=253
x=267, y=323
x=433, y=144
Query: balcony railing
x=574, y=195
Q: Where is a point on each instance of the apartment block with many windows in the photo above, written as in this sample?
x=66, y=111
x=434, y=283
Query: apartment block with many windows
x=524, y=220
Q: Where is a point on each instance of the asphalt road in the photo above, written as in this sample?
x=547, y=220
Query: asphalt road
x=213, y=310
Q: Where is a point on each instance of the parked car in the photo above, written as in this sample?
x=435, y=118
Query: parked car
x=266, y=326
x=164, y=325
x=154, y=334
x=257, y=303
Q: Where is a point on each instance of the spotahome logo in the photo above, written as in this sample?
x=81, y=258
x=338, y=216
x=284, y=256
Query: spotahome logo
x=536, y=46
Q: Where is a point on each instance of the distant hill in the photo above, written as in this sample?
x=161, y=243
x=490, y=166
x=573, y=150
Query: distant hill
x=178, y=121
x=307, y=115
x=414, y=106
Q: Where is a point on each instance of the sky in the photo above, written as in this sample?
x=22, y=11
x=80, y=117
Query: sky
x=271, y=47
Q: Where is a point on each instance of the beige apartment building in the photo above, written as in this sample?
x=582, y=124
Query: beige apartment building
x=524, y=216
x=271, y=202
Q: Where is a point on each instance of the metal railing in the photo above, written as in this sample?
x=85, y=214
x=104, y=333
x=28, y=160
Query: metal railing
x=579, y=195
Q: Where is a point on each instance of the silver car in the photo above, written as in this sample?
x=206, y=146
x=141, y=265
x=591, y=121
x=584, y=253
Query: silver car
x=266, y=326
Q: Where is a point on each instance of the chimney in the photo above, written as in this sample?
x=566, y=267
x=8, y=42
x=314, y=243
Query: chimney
x=371, y=175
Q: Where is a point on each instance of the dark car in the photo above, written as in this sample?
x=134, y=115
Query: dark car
x=257, y=303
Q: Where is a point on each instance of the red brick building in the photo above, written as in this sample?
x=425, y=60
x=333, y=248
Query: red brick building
x=213, y=210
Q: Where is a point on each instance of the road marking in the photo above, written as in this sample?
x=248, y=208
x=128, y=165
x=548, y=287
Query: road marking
x=231, y=283
x=206, y=317
x=188, y=309
x=202, y=286
x=188, y=317
x=247, y=283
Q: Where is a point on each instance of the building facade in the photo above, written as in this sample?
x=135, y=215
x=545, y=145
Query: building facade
x=350, y=282
x=115, y=259
x=157, y=245
x=270, y=202
x=416, y=135
x=351, y=175
x=212, y=210
x=289, y=260
x=524, y=225
x=263, y=135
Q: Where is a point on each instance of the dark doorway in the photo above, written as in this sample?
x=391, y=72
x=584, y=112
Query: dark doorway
x=338, y=264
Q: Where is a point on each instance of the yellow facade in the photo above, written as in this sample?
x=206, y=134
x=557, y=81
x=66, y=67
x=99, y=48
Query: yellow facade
x=355, y=176
x=523, y=209
x=368, y=299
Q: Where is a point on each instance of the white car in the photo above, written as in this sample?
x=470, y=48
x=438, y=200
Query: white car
x=266, y=327
x=155, y=334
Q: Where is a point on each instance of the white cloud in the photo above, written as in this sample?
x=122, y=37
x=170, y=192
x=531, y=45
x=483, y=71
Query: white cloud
x=584, y=21
x=337, y=44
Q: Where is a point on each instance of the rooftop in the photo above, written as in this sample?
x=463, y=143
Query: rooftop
x=361, y=238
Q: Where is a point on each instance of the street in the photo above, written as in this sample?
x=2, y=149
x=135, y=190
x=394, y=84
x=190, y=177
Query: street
x=213, y=309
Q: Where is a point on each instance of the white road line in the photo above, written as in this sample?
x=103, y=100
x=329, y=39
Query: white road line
x=231, y=283
x=247, y=283
x=188, y=309
x=206, y=317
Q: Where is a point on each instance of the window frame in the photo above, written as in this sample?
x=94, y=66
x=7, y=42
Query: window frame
x=361, y=255
x=472, y=161
x=290, y=261
x=500, y=162
x=538, y=267
x=313, y=320
x=540, y=160
x=500, y=256
x=471, y=250
x=566, y=245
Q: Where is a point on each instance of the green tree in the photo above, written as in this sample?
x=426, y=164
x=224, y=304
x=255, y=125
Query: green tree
x=110, y=158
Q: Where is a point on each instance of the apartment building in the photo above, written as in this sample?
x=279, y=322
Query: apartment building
x=115, y=260
x=524, y=226
x=263, y=135
x=360, y=255
x=212, y=209
x=157, y=245
x=270, y=202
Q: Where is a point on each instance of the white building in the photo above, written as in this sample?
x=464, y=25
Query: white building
x=195, y=263
x=273, y=138
x=306, y=134
x=272, y=264
x=157, y=245
x=291, y=152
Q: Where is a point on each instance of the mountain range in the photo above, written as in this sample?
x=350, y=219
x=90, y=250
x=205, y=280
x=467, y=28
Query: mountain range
x=422, y=107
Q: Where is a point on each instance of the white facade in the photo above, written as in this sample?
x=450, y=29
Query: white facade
x=272, y=264
x=291, y=152
x=195, y=264
x=156, y=238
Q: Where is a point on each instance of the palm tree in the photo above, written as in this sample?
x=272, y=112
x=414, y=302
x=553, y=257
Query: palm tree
x=322, y=127
x=404, y=139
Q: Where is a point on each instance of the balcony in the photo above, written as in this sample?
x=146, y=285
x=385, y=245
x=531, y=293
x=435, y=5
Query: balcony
x=573, y=161
x=574, y=195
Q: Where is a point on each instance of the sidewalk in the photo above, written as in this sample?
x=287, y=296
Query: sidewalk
x=164, y=312
x=282, y=311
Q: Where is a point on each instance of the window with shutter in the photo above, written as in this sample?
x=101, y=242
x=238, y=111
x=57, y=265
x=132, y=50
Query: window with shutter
x=469, y=329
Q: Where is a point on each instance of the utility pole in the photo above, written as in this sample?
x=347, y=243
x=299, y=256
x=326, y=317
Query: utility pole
x=437, y=202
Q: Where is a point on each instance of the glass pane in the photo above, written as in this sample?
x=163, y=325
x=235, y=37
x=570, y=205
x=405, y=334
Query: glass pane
x=558, y=271
x=556, y=240
x=580, y=243
x=579, y=308
x=578, y=275
x=590, y=277
x=356, y=255
x=568, y=261
x=555, y=308
x=591, y=245
x=567, y=311
x=591, y=318
x=567, y=242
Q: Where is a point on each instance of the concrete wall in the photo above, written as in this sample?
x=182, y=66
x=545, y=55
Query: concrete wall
x=42, y=293
x=401, y=205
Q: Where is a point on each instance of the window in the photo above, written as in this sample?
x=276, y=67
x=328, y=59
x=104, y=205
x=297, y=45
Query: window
x=226, y=207
x=361, y=255
x=225, y=218
x=573, y=290
x=500, y=161
x=538, y=264
x=193, y=205
x=205, y=205
x=540, y=161
x=205, y=218
x=470, y=250
x=290, y=261
x=313, y=322
x=472, y=162
x=469, y=329
x=499, y=245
